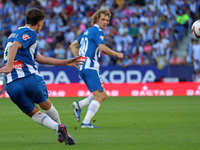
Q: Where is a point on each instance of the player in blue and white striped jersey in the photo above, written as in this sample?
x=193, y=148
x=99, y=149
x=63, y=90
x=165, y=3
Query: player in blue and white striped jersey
x=89, y=46
x=24, y=84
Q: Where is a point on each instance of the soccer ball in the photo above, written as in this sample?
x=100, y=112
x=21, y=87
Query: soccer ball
x=196, y=29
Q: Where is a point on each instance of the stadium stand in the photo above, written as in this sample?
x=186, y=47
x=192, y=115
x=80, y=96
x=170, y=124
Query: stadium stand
x=147, y=31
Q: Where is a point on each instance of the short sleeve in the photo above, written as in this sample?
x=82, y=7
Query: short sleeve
x=99, y=37
x=27, y=38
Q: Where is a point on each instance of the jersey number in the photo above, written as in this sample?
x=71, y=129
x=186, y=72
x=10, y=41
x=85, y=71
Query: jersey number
x=6, y=50
x=84, y=46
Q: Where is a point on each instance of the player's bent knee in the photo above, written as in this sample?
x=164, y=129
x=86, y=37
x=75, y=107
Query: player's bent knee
x=46, y=105
x=35, y=110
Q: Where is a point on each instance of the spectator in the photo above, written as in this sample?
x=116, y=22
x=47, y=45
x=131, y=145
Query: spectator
x=60, y=38
x=70, y=8
x=69, y=36
x=193, y=9
x=137, y=57
x=126, y=62
x=163, y=7
x=196, y=54
x=104, y=5
x=157, y=18
x=182, y=19
x=44, y=53
x=49, y=38
x=160, y=60
x=175, y=60
x=60, y=51
x=52, y=26
x=188, y=58
x=160, y=47
x=196, y=76
x=119, y=62
x=147, y=48
x=184, y=61
x=120, y=3
x=41, y=43
x=190, y=47
x=123, y=28
x=57, y=9
x=173, y=7
x=151, y=6
x=58, y=20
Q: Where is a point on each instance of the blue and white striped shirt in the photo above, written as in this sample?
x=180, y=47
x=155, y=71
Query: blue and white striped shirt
x=24, y=62
x=89, y=43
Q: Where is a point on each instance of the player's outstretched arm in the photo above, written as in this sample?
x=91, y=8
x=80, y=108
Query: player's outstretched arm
x=12, y=51
x=72, y=62
x=108, y=51
x=74, y=47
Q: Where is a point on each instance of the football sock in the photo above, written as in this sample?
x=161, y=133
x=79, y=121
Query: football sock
x=53, y=113
x=86, y=101
x=45, y=120
x=92, y=109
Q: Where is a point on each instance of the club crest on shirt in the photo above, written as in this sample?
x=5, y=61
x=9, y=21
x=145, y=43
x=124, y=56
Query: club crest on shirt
x=25, y=37
x=102, y=84
x=101, y=37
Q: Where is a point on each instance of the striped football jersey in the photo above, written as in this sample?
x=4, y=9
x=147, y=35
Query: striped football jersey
x=88, y=49
x=24, y=62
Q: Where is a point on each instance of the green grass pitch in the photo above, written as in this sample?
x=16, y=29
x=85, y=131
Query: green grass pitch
x=126, y=123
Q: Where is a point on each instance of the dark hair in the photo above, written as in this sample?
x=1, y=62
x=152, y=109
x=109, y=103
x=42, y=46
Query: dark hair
x=34, y=15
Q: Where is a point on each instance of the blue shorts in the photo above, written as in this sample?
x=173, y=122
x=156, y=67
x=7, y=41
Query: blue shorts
x=27, y=91
x=93, y=79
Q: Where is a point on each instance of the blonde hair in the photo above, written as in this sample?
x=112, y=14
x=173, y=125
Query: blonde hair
x=95, y=17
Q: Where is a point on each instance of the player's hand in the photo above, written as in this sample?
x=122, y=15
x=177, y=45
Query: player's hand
x=73, y=62
x=6, y=70
x=120, y=55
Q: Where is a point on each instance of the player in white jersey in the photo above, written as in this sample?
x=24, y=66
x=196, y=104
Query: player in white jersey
x=89, y=46
x=24, y=84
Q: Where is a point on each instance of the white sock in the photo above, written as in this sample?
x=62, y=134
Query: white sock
x=86, y=101
x=92, y=109
x=45, y=120
x=53, y=113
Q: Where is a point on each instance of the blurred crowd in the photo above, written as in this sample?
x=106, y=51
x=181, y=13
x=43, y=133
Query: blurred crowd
x=146, y=31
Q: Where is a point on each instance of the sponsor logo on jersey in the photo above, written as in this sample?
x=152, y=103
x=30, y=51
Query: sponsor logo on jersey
x=101, y=37
x=17, y=64
x=25, y=37
x=82, y=58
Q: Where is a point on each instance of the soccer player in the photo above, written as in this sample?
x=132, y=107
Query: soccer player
x=24, y=84
x=88, y=46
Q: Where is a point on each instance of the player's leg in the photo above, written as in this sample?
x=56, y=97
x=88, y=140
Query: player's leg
x=86, y=101
x=19, y=96
x=94, y=82
x=39, y=95
x=21, y=93
x=62, y=132
x=99, y=96
x=46, y=121
x=42, y=119
x=50, y=110
x=78, y=105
